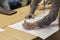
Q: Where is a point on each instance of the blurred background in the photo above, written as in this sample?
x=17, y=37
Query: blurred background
x=13, y=4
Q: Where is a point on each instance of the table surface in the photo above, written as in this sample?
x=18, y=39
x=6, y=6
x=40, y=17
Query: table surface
x=12, y=34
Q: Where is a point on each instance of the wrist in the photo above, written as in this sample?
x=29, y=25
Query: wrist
x=36, y=24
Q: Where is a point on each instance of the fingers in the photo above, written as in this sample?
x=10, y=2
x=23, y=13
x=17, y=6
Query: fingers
x=28, y=26
x=28, y=17
x=25, y=25
x=32, y=16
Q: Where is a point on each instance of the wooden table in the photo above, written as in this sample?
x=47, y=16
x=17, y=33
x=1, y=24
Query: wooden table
x=12, y=34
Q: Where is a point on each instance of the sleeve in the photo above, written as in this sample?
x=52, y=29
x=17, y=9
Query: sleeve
x=51, y=16
x=33, y=5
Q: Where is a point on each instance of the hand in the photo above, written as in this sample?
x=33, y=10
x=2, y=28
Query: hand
x=40, y=7
x=29, y=16
x=30, y=26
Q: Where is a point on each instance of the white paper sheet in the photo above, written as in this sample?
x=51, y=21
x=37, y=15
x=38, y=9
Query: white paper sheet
x=42, y=32
x=1, y=30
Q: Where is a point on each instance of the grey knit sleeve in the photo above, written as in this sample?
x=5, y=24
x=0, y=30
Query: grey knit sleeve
x=51, y=16
x=33, y=5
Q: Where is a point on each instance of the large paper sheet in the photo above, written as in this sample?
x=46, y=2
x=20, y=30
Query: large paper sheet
x=41, y=32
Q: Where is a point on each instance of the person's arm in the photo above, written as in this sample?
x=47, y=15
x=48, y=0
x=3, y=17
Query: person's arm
x=34, y=4
x=51, y=16
x=41, y=5
x=48, y=6
x=5, y=4
x=42, y=2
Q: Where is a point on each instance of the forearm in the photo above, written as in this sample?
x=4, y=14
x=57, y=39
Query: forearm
x=42, y=2
x=51, y=16
x=48, y=6
x=34, y=4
